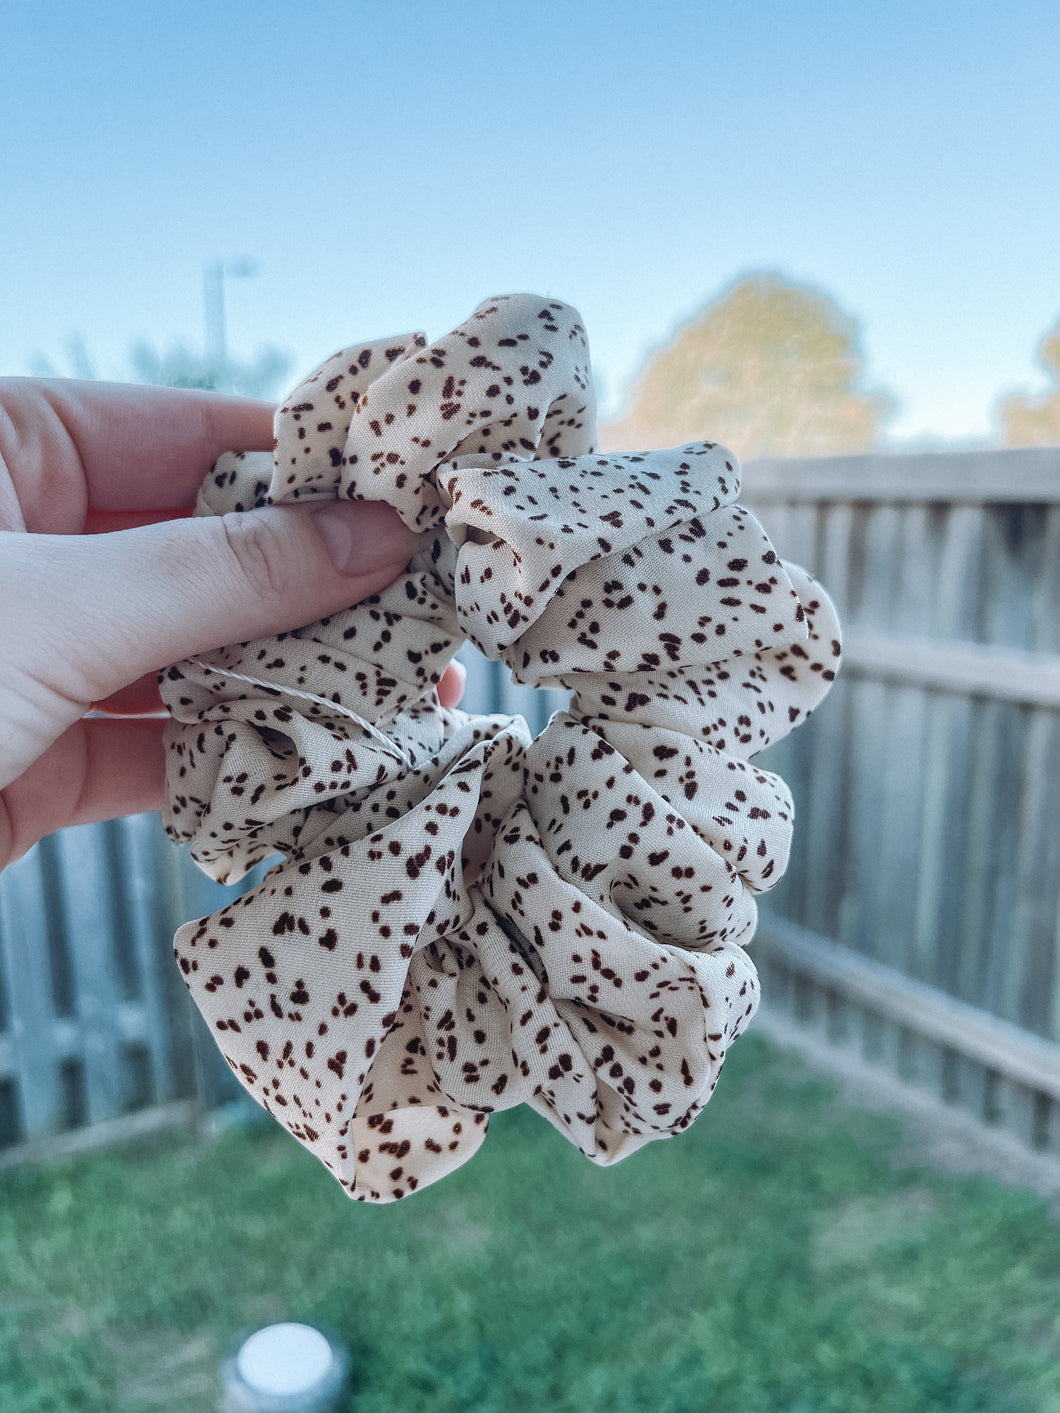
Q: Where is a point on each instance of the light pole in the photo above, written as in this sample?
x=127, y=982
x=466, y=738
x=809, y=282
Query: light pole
x=213, y=299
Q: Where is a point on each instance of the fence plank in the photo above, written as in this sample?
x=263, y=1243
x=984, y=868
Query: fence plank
x=1013, y=545
x=150, y=942
x=822, y=814
x=992, y=822
x=799, y=542
x=87, y=906
x=897, y=1000
x=894, y=883
x=973, y=669
x=916, y=591
x=1030, y=977
x=24, y=957
x=957, y=604
x=1046, y=631
x=883, y=569
x=948, y=765
x=858, y=915
x=163, y=1118
x=1030, y=474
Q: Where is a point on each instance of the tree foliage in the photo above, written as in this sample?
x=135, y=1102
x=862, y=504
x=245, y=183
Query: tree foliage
x=1029, y=420
x=182, y=367
x=771, y=368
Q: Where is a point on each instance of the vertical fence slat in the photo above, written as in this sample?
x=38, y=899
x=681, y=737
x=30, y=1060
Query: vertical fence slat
x=24, y=942
x=916, y=592
x=823, y=817
x=957, y=607
x=993, y=816
x=1030, y=975
x=1046, y=632
x=893, y=883
x=87, y=905
x=1004, y=962
x=868, y=716
x=879, y=595
x=150, y=943
x=948, y=771
x=800, y=536
x=1013, y=542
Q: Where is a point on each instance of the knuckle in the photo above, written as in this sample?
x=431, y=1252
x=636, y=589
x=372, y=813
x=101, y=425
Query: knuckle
x=258, y=553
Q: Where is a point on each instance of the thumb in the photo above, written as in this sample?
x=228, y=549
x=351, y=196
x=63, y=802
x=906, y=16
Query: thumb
x=109, y=608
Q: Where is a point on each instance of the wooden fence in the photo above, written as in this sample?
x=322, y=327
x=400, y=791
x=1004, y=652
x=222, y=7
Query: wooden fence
x=917, y=925
x=918, y=921
x=95, y=1022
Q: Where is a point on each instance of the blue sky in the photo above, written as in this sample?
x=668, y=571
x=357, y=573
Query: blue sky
x=388, y=165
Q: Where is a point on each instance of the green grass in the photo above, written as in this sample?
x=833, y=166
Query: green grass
x=775, y=1258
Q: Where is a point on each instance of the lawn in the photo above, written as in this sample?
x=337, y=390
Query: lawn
x=777, y=1257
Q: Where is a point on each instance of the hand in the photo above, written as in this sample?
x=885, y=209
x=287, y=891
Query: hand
x=87, y=618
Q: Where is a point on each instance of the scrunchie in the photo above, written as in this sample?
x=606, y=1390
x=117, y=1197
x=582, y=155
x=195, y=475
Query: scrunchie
x=466, y=918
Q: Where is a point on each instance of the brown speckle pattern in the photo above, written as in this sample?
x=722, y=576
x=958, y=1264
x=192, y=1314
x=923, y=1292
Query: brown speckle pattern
x=464, y=918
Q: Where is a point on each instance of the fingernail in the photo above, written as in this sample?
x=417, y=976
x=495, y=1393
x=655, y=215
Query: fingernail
x=360, y=536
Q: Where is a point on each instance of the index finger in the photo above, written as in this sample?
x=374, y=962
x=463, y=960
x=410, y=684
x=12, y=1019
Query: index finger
x=83, y=446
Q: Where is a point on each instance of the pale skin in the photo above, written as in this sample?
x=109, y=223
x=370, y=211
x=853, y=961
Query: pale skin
x=103, y=580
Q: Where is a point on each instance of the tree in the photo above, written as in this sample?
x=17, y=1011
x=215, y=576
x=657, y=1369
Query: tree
x=1029, y=420
x=771, y=368
x=181, y=367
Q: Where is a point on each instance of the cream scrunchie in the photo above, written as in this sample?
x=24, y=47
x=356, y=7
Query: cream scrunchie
x=466, y=918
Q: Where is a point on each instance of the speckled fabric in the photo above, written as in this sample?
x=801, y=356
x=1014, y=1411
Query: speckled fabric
x=466, y=918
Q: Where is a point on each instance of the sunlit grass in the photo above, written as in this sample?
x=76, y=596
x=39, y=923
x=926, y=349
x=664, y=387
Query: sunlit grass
x=775, y=1258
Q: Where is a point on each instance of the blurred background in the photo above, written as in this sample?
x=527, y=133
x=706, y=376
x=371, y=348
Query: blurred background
x=825, y=235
